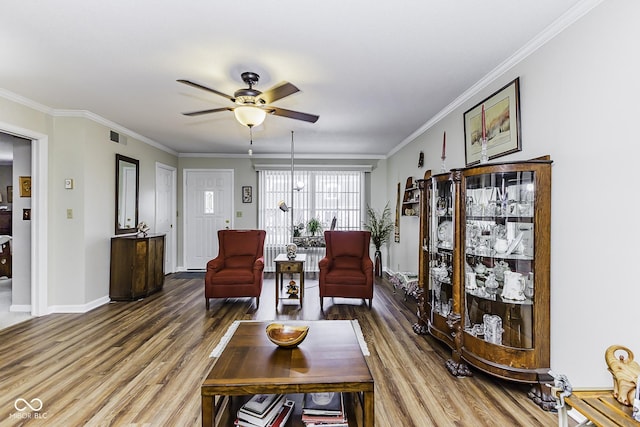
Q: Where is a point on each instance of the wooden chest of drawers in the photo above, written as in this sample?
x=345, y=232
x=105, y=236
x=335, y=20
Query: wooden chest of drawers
x=137, y=266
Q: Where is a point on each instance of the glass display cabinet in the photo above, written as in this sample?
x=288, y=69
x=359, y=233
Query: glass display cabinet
x=486, y=288
x=423, y=313
x=441, y=245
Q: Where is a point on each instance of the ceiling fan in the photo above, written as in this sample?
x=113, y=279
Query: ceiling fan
x=253, y=105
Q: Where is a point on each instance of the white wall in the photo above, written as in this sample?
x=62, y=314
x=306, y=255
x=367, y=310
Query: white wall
x=579, y=103
x=79, y=247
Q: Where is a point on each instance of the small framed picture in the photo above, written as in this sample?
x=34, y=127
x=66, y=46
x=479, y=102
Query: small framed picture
x=25, y=186
x=247, y=194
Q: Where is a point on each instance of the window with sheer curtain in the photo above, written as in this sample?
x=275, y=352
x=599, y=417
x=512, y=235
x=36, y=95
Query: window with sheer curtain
x=324, y=195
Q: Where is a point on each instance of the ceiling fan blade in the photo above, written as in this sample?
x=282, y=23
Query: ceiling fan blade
x=292, y=114
x=196, y=85
x=213, y=110
x=278, y=92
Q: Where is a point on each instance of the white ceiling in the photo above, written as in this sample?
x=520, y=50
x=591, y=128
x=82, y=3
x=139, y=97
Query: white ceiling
x=375, y=72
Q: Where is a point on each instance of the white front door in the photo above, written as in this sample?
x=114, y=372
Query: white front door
x=166, y=213
x=208, y=208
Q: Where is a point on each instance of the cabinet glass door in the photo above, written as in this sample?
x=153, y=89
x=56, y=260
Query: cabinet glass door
x=441, y=246
x=498, y=249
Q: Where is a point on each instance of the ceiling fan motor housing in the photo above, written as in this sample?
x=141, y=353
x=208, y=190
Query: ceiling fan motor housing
x=248, y=95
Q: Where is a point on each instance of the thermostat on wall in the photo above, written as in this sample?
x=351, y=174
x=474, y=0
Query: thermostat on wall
x=68, y=183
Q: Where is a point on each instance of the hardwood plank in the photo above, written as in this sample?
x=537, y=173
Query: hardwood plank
x=143, y=362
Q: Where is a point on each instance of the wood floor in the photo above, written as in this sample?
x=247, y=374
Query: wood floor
x=141, y=363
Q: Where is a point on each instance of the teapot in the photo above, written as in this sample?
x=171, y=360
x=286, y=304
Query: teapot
x=514, y=285
x=501, y=245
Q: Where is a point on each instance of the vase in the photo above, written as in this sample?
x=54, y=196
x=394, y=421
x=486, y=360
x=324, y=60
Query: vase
x=378, y=264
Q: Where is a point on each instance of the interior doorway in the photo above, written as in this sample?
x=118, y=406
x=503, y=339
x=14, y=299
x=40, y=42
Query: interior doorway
x=166, y=213
x=37, y=303
x=15, y=230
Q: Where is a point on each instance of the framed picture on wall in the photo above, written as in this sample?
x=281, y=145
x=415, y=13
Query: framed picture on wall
x=247, y=196
x=25, y=186
x=501, y=125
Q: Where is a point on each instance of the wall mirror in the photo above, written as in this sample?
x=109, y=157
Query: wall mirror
x=127, y=187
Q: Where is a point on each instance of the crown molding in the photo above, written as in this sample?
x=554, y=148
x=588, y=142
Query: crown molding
x=549, y=33
x=19, y=99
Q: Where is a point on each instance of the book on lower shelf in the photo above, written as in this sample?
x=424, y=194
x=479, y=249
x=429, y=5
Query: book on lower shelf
x=261, y=410
x=323, y=409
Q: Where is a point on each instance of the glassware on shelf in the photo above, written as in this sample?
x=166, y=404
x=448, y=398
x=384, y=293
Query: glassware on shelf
x=491, y=285
x=483, y=248
x=528, y=289
x=483, y=151
x=514, y=285
x=445, y=307
x=492, y=328
x=470, y=283
x=499, y=269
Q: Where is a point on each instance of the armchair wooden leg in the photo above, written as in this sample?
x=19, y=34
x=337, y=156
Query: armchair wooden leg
x=370, y=299
x=206, y=302
x=321, y=303
x=257, y=302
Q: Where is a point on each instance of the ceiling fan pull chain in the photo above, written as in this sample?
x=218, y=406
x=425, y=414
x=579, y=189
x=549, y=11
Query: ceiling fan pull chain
x=250, y=135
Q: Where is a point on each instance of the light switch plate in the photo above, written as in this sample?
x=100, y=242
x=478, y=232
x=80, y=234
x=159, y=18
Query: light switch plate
x=68, y=183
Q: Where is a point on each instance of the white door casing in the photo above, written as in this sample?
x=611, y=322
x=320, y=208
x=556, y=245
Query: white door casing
x=166, y=216
x=208, y=198
x=39, y=215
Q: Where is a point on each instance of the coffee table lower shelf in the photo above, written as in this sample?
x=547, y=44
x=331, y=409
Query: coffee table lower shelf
x=227, y=408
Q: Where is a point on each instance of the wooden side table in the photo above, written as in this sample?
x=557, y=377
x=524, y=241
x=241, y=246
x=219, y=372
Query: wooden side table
x=286, y=265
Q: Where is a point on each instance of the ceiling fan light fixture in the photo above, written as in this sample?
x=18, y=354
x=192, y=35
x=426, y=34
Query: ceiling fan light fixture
x=249, y=116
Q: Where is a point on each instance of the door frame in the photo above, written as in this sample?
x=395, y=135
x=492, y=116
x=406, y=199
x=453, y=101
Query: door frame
x=39, y=215
x=171, y=248
x=184, y=205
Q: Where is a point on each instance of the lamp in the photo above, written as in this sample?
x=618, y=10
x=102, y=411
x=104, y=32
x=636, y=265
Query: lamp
x=249, y=115
x=298, y=186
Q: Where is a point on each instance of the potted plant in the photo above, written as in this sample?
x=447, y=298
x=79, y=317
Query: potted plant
x=381, y=226
x=314, y=226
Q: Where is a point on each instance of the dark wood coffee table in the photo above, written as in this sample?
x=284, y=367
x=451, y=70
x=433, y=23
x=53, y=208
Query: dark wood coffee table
x=329, y=359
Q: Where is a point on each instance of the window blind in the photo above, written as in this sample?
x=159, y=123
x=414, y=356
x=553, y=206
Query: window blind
x=325, y=195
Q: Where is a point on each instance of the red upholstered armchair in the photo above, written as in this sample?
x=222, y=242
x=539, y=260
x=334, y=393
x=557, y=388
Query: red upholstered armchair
x=346, y=270
x=237, y=271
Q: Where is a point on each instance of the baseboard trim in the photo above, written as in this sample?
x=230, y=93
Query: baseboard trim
x=79, y=308
x=16, y=308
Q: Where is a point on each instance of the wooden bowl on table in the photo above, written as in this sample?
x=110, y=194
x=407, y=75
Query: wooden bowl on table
x=286, y=336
